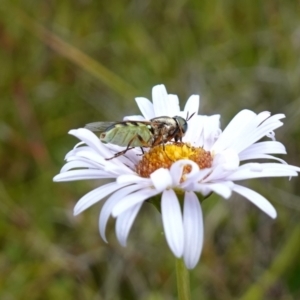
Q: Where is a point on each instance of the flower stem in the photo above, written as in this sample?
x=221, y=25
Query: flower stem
x=183, y=281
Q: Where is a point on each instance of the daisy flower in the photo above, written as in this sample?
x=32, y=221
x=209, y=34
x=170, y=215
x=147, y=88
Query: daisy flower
x=179, y=174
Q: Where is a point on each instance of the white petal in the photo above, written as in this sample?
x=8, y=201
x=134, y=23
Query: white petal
x=200, y=175
x=108, y=165
x=160, y=100
x=173, y=105
x=124, y=223
x=118, y=170
x=176, y=172
x=90, y=139
x=109, y=205
x=75, y=150
x=203, y=131
x=132, y=178
x=134, y=118
x=250, y=128
x=126, y=162
x=177, y=168
x=257, y=199
x=211, y=131
x=203, y=189
x=192, y=105
x=114, y=166
x=271, y=135
x=270, y=147
x=79, y=144
x=228, y=158
x=194, y=134
x=246, y=171
x=253, y=136
x=161, y=179
x=256, y=129
x=218, y=173
x=262, y=156
x=82, y=175
x=224, y=189
x=79, y=163
x=260, y=118
x=275, y=118
x=95, y=195
x=233, y=129
x=100, y=151
x=87, y=153
x=146, y=107
x=172, y=222
x=133, y=199
x=193, y=230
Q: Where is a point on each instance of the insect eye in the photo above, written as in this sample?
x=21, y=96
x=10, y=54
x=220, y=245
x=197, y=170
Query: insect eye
x=182, y=124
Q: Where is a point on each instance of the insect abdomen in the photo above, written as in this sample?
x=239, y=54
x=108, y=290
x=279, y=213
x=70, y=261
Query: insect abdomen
x=125, y=133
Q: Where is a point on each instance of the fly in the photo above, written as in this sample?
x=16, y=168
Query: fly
x=131, y=134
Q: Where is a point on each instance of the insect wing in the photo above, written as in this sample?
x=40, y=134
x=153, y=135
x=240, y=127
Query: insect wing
x=99, y=126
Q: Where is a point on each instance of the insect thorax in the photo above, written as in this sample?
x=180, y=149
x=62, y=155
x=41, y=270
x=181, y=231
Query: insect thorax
x=164, y=129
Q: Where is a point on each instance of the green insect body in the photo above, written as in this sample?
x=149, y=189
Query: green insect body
x=124, y=133
x=131, y=134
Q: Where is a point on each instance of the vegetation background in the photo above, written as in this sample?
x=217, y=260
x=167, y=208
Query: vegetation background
x=68, y=63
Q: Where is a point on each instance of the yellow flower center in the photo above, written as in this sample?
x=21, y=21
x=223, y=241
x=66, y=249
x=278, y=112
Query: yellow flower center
x=163, y=156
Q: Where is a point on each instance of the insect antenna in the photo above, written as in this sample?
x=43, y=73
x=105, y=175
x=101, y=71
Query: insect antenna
x=189, y=117
x=180, y=128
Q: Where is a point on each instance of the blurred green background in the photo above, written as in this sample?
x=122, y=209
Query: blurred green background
x=67, y=63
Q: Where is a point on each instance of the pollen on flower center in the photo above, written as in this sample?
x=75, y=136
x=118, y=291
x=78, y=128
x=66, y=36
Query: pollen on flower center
x=163, y=156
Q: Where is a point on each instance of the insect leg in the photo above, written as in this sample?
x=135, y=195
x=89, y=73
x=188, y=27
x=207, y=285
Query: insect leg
x=128, y=147
x=143, y=142
x=120, y=153
x=124, y=151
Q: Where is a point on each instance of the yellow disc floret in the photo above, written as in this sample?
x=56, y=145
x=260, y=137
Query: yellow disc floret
x=163, y=156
